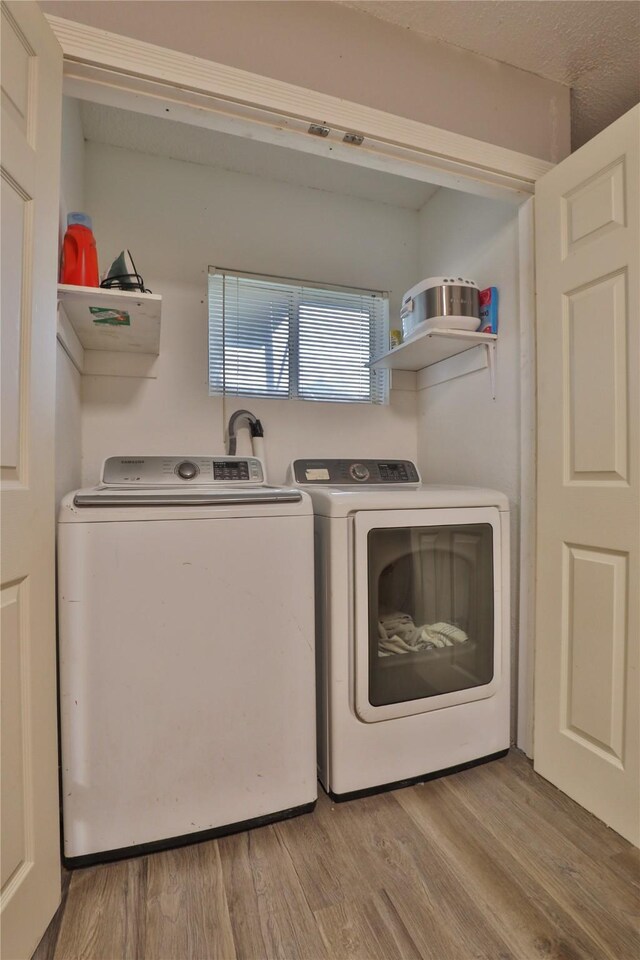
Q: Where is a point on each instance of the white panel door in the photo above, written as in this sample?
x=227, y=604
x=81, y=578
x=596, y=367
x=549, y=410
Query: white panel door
x=31, y=104
x=586, y=727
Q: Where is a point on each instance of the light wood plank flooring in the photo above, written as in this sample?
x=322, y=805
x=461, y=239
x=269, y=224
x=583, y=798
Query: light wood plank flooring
x=491, y=863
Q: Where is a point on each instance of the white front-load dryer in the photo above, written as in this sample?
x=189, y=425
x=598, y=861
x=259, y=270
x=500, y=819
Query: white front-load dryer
x=413, y=634
x=186, y=643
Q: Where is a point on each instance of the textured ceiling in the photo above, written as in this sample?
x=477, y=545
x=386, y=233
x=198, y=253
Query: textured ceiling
x=593, y=46
x=168, y=138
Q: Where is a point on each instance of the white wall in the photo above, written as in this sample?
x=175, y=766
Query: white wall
x=68, y=385
x=331, y=48
x=464, y=436
x=179, y=217
x=72, y=159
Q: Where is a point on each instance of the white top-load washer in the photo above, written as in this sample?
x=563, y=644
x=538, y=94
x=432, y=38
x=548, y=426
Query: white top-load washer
x=186, y=622
x=413, y=632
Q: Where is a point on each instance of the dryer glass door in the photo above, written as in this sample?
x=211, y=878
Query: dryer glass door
x=427, y=610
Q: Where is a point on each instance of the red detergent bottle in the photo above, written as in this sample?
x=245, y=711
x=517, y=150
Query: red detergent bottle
x=79, y=253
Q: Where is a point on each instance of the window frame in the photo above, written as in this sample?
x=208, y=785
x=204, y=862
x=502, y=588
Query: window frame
x=382, y=389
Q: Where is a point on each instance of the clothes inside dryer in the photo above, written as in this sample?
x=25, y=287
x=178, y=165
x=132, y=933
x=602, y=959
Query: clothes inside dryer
x=431, y=611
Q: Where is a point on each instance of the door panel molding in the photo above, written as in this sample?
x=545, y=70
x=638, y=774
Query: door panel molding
x=19, y=75
x=595, y=360
x=17, y=810
x=594, y=642
x=594, y=208
x=17, y=265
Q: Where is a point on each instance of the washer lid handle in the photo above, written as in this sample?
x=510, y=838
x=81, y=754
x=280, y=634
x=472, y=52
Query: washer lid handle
x=183, y=499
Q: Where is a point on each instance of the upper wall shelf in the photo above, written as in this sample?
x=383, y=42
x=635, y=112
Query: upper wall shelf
x=430, y=347
x=92, y=313
x=114, y=333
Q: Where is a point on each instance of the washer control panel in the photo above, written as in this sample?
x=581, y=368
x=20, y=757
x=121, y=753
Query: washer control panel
x=341, y=473
x=179, y=471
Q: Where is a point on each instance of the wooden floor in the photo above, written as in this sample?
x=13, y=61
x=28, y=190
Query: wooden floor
x=490, y=863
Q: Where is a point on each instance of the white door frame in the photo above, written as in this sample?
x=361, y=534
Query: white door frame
x=528, y=466
x=98, y=66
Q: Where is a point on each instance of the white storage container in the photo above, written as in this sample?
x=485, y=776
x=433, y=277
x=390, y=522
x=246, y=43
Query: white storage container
x=446, y=303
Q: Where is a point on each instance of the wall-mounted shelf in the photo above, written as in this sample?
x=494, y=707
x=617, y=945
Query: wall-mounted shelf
x=430, y=347
x=110, y=332
x=140, y=331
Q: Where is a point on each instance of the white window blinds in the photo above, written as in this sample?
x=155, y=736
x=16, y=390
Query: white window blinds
x=272, y=337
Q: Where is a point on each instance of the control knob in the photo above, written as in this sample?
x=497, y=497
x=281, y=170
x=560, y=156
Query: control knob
x=187, y=470
x=359, y=472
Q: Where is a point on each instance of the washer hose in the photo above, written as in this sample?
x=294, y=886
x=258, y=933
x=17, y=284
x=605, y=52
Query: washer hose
x=255, y=428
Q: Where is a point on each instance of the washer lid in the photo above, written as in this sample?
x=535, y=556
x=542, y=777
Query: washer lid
x=342, y=501
x=109, y=504
x=178, y=496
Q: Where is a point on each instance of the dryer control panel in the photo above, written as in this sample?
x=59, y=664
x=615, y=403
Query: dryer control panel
x=178, y=471
x=342, y=473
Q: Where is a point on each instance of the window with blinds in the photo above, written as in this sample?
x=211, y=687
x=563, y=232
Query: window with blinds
x=274, y=337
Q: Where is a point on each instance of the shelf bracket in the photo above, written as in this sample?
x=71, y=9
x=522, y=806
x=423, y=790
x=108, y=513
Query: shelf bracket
x=491, y=361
